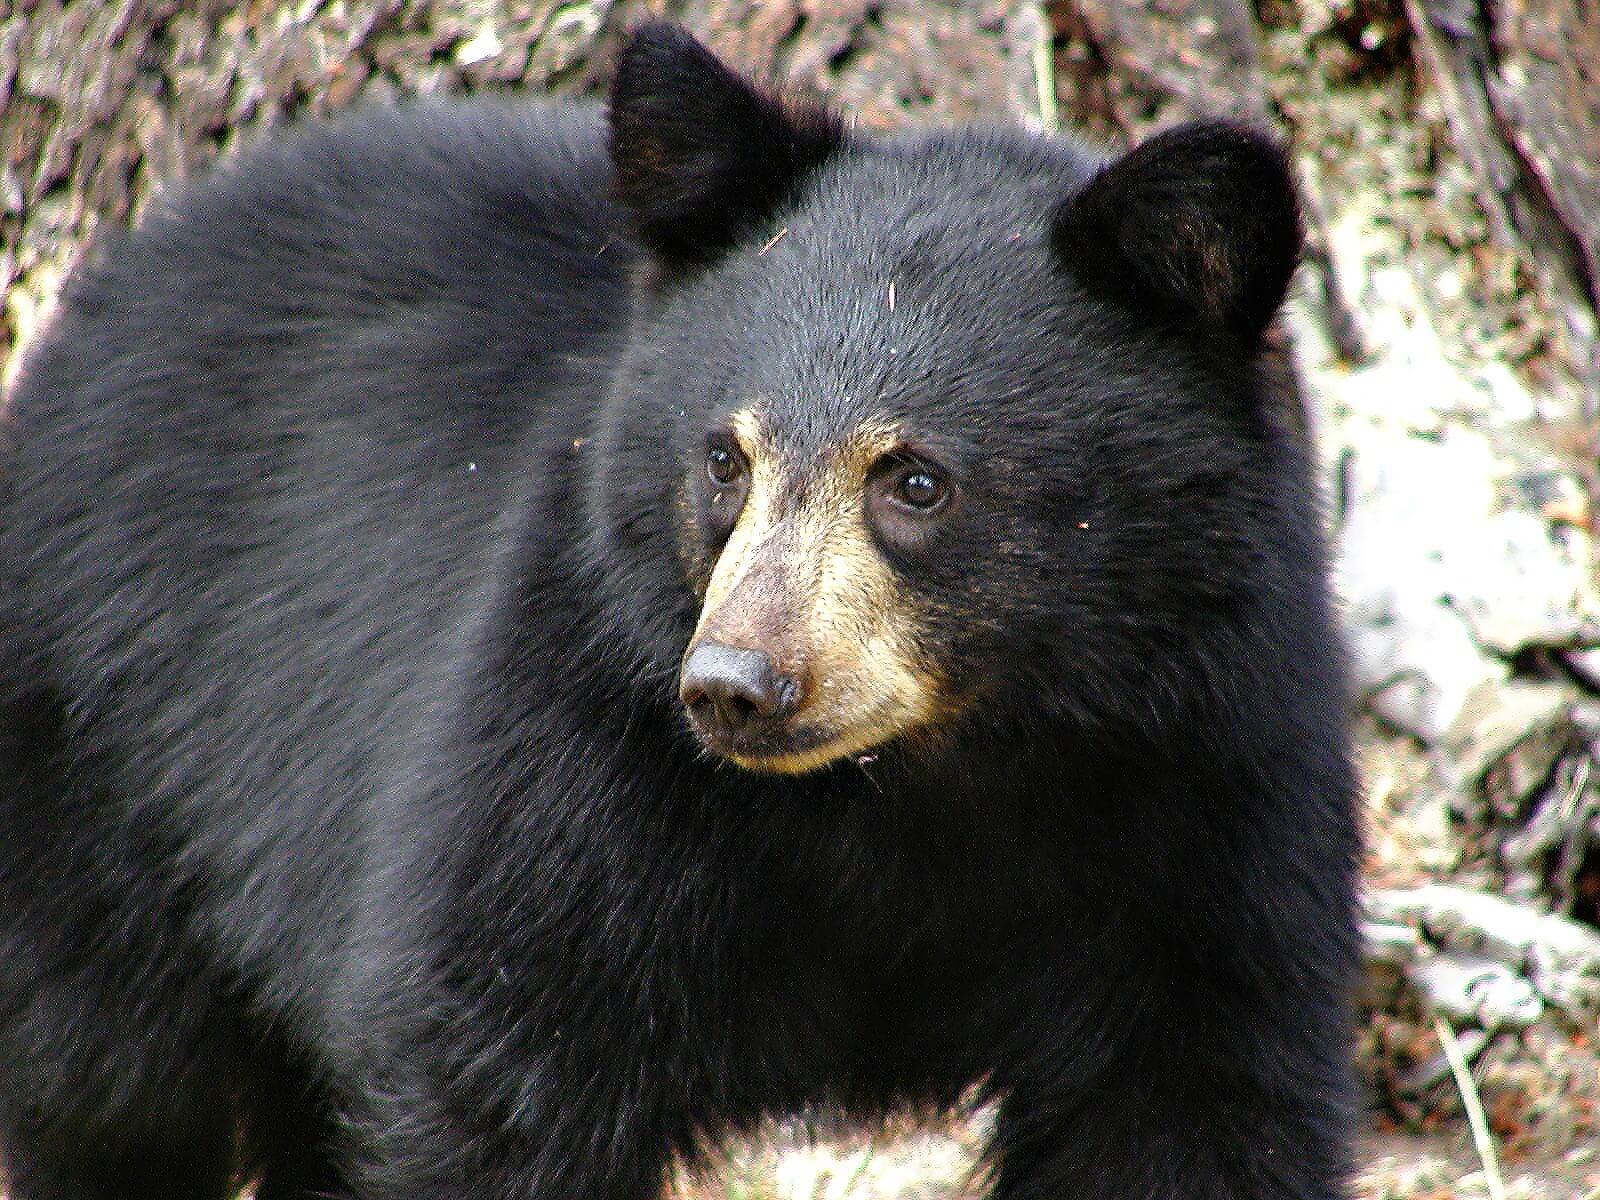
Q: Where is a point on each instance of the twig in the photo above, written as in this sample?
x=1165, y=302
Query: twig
x=1045, y=84
x=860, y=1172
x=1482, y=1140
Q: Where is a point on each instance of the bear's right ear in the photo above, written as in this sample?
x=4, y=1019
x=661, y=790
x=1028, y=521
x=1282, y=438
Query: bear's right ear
x=700, y=154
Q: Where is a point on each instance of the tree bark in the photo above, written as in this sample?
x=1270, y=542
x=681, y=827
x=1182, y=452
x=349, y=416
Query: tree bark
x=1520, y=82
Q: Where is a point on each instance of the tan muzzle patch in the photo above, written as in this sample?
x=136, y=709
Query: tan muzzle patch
x=801, y=580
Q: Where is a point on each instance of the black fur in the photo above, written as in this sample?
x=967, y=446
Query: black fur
x=355, y=838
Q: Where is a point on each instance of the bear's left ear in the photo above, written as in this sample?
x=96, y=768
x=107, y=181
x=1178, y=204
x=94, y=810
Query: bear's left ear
x=701, y=155
x=1200, y=224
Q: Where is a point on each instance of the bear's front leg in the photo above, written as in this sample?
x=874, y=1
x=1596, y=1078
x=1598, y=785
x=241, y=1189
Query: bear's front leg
x=1270, y=1124
x=491, y=1087
x=573, y=1134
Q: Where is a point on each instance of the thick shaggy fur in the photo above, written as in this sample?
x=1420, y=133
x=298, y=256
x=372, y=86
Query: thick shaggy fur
x=354, y=531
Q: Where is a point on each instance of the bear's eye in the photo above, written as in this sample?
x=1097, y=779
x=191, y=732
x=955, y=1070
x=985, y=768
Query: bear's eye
x=907, y=497
x=724, y=465
x=920, y=489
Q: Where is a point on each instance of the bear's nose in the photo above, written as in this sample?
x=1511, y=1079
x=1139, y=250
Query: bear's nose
x=730, y=689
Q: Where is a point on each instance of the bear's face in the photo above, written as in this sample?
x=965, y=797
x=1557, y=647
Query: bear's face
x=872, y=455
x=925, y=400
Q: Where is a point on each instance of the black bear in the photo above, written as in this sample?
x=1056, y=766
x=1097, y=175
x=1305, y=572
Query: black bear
x=535, y=636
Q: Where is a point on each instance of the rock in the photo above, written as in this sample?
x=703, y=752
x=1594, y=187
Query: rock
x=1391, y=943
x=1479, y=991
x=1509, y=740
x=1489, y=959
x=1448, y=566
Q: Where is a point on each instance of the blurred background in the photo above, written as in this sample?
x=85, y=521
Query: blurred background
x=1445, y=325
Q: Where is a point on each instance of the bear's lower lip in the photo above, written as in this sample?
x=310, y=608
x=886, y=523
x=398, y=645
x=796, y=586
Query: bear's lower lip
x=753, y=749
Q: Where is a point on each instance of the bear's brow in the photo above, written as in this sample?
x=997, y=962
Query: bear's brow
x=813, y=467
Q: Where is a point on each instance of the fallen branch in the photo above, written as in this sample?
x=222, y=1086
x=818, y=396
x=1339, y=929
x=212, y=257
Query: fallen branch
x=1482, y=1139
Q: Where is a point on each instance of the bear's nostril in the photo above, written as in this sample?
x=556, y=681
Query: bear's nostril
x=732, y=688
x=738, y=711
x=701, y=707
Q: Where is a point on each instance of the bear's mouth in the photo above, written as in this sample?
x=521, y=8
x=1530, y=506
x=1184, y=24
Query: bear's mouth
x=794, y=751
x=787, y=751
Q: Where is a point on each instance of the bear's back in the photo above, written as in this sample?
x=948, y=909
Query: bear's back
x=416, y=273
x=259, y=461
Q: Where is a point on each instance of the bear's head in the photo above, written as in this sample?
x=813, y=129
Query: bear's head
x=938, y=422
